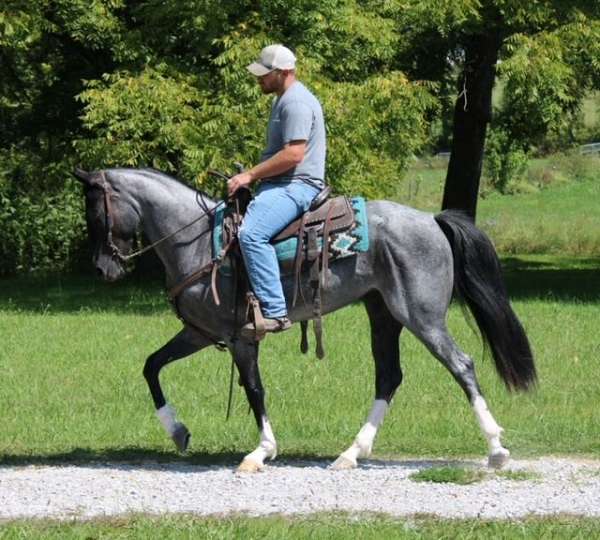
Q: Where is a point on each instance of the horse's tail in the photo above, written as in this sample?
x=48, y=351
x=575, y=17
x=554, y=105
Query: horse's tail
x=478, y=282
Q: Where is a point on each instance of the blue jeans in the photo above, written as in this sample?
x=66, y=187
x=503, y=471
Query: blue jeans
x=275, y=205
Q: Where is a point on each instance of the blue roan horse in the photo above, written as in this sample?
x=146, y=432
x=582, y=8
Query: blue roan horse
x=406, y=279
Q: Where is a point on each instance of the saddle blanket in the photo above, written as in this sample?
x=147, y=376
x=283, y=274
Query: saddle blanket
x=342, y=244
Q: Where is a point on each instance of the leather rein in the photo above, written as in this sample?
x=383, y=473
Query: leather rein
x=174, y=291
x=109, y=221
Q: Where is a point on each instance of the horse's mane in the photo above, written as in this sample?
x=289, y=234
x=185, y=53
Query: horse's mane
x=157, y=172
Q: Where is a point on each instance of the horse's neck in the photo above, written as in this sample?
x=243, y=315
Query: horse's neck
x=167, y=206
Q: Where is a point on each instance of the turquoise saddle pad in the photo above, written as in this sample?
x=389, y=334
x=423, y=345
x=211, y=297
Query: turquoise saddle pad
x=341, y=244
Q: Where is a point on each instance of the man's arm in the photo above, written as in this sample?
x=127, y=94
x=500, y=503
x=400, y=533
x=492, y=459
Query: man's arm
x=289, y=156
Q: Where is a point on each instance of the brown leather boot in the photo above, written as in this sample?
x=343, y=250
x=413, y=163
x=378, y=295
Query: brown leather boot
x=278, y=324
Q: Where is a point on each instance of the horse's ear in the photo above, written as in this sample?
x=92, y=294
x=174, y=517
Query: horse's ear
x=83, y=176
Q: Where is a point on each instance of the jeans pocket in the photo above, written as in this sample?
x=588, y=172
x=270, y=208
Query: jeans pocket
x=302, y=194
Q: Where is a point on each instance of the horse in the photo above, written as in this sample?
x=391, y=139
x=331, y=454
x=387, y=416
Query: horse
x=415, y=265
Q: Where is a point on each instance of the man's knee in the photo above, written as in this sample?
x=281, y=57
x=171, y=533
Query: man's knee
x=249, y=236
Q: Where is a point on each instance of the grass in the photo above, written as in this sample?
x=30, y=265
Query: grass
x=463, y=476
x=324, y=526
x=449, y=475
x=73, y=351
x=591, y=110
x=560, y=215
x=518, y=476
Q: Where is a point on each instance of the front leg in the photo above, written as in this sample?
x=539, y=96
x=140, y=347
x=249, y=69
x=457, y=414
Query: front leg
x=362, y=445
x=245, y=355
x=180, y=346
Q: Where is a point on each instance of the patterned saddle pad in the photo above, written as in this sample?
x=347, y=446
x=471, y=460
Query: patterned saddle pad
x=341, y=244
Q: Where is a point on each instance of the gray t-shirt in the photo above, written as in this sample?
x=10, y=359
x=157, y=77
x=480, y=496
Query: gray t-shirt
x=297, y=116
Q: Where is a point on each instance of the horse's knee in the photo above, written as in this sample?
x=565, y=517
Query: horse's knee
x=150, y=370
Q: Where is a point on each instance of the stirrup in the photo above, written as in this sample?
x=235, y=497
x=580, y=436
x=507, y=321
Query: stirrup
x=279, y=324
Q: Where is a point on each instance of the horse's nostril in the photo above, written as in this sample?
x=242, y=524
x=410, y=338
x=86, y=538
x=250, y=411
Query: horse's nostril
x=99, y=271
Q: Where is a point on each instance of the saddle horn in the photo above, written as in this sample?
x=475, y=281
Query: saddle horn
x=83, y=176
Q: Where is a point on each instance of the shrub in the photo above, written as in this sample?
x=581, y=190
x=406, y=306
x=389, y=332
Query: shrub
x=40, y=233
x=505, y=162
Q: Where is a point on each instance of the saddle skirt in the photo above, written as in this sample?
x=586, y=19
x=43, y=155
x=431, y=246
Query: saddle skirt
x=344, y=221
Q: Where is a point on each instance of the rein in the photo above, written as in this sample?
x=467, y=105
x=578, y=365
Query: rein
x=175, y=291
x=115, y=251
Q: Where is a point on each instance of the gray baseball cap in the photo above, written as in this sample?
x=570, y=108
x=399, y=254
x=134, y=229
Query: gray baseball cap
x=271, y=58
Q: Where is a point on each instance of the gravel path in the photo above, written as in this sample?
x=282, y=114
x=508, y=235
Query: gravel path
x=64, y=492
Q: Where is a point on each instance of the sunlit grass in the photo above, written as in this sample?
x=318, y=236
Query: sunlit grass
x=518, y=476
x=322, y=526
x=560, y=216
x=449, y=475
x=72, y=386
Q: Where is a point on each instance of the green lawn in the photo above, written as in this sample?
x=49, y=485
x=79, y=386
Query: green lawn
x=73, y=352
x=72, y=389
x=560, y=215
x=326, y=526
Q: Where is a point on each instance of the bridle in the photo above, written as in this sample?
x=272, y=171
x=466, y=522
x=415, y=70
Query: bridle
x=109, y=222
x=173, y=293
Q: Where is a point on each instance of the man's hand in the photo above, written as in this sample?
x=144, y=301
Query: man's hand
x=236, y=182
x=289, y=156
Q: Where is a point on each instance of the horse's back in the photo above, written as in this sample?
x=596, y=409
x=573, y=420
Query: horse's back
x=413, y=260
x=393, y=225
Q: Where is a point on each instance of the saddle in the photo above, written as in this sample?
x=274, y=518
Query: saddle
x=312, y=231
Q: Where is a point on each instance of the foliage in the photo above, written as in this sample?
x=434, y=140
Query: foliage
x=40, y=232
x=146, y=118
x=547, y=76
x=505, y=161
x=163, y=84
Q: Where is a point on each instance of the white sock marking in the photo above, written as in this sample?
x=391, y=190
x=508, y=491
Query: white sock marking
x=267, y=447
x=488, y=425
x=364, y=440
x=167, y=416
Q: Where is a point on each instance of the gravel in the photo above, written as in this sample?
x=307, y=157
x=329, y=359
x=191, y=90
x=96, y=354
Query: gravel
x=560, y=485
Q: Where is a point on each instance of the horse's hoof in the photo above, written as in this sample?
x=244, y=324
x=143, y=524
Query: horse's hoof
x=181, y=437
x=249, y=466
x=499, y=458
x=343, y=464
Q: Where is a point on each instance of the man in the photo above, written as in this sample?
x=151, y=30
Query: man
x=290, y=174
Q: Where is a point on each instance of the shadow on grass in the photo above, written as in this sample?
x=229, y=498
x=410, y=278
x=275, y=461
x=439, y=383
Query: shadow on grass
x=145, y=458
x=527, y=277
x=128, y=456
x=553, y=278
x=73, y=293
x=149, y=459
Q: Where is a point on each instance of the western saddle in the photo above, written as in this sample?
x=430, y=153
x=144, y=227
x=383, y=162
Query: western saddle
x=312, y=230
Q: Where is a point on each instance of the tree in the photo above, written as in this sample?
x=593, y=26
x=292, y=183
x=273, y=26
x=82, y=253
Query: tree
x=552, y=56
x=162, y=83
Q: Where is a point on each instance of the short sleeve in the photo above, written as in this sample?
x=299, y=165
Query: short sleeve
x=296, y=122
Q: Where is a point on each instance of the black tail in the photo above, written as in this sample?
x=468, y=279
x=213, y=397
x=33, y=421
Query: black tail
x=478, y=281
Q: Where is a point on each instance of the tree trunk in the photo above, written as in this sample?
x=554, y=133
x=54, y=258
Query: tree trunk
x=472, y=113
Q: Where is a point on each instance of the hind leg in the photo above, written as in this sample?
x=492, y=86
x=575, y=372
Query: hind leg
x=385, y=333
x=443, y=347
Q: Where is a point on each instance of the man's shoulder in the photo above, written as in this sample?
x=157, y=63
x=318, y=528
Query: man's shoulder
x=299, y=94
